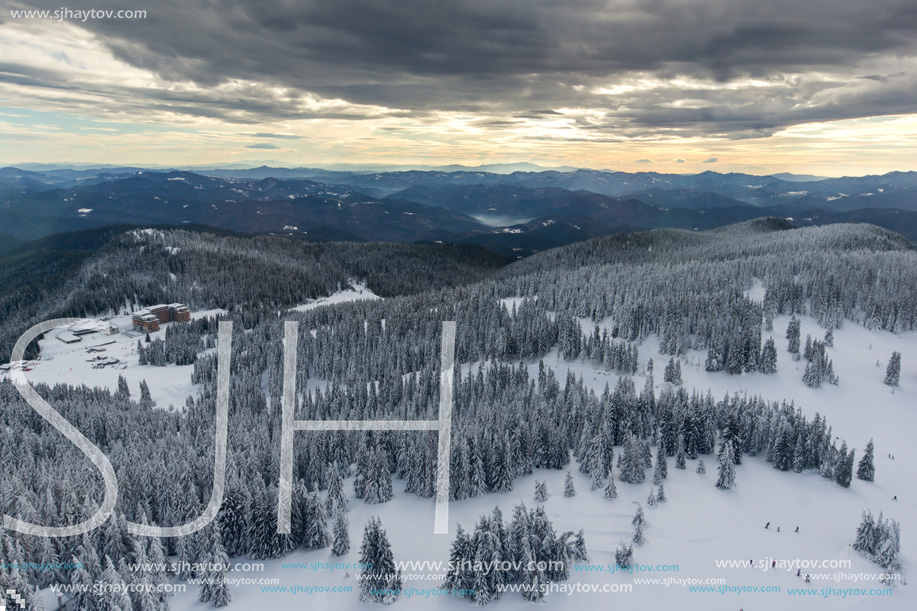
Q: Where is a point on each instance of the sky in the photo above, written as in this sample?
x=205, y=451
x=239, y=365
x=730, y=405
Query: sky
x=826, y=87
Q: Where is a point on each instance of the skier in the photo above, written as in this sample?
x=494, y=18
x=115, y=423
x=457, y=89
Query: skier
x=799, y=572
x=768, y=525
x=895, y=498
x=807, y=578
x=773, y=564
x=778, y=529
x=797, y=529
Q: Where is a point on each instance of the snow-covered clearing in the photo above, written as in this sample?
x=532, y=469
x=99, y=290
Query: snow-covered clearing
x=356, y=292
x=61, y=363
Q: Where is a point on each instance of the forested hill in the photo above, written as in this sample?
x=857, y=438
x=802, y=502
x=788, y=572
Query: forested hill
x=669, y=282
x=691, y=289
x=754, y=237
x=92, y=272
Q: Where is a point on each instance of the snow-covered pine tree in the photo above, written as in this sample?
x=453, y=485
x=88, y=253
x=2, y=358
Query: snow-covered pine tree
x=233, y=521
x=768, y=362
x=541, y=491
x=336, y=498
x=727, y=469
x=501, y=472
x=533, y=578
x=315, y=523
x=714, y=360
x=381, y=581
x=146, y=399
x=843, y=471
x=732, y=435
x=662, y=467
x=632, y=462
x=893, y=371
x=341, y=537
x=624, y=555
x=578, y=551
x=651, y=499
x=569, y=489
x=866, y=470
x=672, y=372
x=221, y=593
x=123, y=391
x=889, y=550
x=783, y=447
x=378, y=486
x=792, y=335
x=214, y=588
x=459, y=576
x=113, y=596
x=680, y=454
x=640, y=524
x=660, y=496
x=611, y=491
x=866, y=540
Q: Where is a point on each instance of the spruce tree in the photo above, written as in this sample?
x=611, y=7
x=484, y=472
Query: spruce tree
x=727, y=470
x=336, y=499
x=378, y=486
x=866, y=470
x=893, y=371
x=624, y=555
x=146, y=399
x=843, y=472
x=732, y=435
x=640, y=524
x=662, y=467
x=792, y=335
x=701, y=467
x=541, y=491
x=866, y=540
x=611, y=492
x=768, y=363
x=341, y=543
x=680, y=454
x=569, y=490
x=381, y=581
x=632, y=462
x=887, y=555
x=578, y=552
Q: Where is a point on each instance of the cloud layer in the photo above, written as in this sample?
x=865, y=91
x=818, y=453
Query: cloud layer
x=592, y=70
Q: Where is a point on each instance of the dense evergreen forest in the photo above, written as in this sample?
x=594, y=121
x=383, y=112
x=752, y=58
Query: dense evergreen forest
x=379, y=360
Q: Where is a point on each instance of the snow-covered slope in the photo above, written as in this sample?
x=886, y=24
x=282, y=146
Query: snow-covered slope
x=699, y=525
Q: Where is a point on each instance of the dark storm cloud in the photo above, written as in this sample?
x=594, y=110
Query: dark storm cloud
x=820, y=59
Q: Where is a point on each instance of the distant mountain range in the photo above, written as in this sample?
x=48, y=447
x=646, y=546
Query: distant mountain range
x=515, y=213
